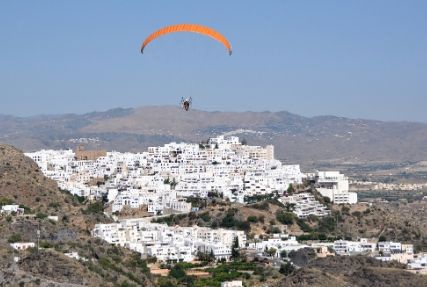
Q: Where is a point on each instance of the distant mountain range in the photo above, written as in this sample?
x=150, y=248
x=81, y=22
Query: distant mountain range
x=296, y=138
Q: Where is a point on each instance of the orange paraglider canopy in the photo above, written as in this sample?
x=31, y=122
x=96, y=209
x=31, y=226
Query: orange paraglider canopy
x=194, y=28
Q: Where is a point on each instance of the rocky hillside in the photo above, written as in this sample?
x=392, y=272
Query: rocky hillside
x=21, y=179
x=405, y=222
x=22, y=183
x=297, y=138
x=356, y=271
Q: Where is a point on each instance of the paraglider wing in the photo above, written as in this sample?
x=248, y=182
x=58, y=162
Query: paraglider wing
x=194, y=28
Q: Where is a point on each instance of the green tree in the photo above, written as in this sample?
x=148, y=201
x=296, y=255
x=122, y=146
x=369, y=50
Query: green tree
x=304, y=226
x=178, y=272
x=287, y=268
x=41, y=215
x=205, y=217
x=235, y=253
x=327, y=224
x=252, y=218
x=345, y=210
x=5, y=201
x=283, y=254
x=163, y=282
x=286, y=218
x=322, y=236
x=206, y=257
x=95, y=208
x=271, y=252
x=16, y=237
x=382, y=238
x=125, y=284
x=228, y=221
x=137, y=262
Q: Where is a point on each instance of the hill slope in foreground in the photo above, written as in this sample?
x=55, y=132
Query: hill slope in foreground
x=297, y=138
x=22, y=183
x=351, y=271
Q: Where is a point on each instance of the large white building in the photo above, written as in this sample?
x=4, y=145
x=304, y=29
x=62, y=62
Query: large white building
x=335, y=186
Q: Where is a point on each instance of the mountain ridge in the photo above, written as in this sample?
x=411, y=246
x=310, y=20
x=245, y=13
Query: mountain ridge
x=296, y=138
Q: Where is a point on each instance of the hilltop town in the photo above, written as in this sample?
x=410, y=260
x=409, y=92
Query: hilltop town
x=163, y=177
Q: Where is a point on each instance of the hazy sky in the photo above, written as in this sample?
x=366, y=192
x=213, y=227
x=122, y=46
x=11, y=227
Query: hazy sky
x=360, y=59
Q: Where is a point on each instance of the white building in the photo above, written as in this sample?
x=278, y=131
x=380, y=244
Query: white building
x=75, y=255
x=345, y=247
x=280, y=242
x=389, y=247
x=163, y=252
x=334, y=185
x=8, y=209
x=419, y=262
x=305, y=204
x=22, y=245
x=404, y=258
x=235, y=283
x=167, y=242
x=383, y=251
x=53, y=217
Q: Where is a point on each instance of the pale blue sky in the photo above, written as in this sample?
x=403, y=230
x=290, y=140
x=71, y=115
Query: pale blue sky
x=360, y=59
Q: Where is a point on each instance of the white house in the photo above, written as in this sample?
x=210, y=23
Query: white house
x=22, y=245
x=8, y=209
x=75, y=255
x=235, y=283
